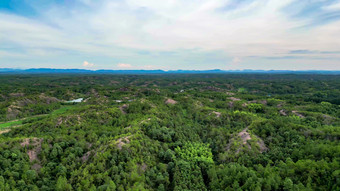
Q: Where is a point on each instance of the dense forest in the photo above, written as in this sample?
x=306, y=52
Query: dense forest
x=170, y=132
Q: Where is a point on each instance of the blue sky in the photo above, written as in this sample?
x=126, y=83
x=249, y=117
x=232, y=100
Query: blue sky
x=170, y=34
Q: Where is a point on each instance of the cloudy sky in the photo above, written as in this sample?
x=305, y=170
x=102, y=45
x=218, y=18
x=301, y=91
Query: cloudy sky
x=170, y=34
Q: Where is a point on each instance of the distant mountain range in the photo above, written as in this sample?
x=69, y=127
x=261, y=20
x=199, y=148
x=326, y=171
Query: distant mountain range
x=216, y=71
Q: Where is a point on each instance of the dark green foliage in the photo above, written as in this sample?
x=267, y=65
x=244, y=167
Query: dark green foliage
x=170, y=132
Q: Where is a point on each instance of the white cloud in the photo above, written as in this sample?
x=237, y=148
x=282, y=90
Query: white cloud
x=119, y=28
x=234, y=64
x=10, y=54
x=87, y=64
x=332, y=7
x=236, y=60
x=153, y=67
x=149, y=67
x=123, y=65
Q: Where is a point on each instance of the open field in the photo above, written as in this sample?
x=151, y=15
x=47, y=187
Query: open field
x=10, y=124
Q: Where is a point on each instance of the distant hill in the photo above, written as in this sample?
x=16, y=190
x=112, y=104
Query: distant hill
x=216, y=71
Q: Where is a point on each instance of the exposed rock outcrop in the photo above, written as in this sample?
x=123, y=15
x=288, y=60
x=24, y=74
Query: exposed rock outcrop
x=241, y=141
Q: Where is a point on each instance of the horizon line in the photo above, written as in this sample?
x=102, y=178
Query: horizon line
x=216, y=69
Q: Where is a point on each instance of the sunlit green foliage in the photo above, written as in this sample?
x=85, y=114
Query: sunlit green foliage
x=170, y=132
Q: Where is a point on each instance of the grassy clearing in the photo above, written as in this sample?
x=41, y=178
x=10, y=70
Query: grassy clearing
x=59, y=111
x=10, y=124
x=63, y=109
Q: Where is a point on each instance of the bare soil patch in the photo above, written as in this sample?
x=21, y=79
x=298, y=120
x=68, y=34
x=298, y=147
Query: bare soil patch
x=244, y=137
x=73, y=119
x=170, y=101
x=12, y=112
x=123, y=108
x=48, y=99
x=283, y=112
x=234, y=99
x=86, y=156
x=144, y=121
x=122, y=141
x=36, y=167
x=218, y=114
x=298, y=114
x=36, y=143
x=4, y=131
x=17, y=94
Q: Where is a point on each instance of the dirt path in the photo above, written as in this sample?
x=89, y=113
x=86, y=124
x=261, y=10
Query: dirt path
x=4, y=131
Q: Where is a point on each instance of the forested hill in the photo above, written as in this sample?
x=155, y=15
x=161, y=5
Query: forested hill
x=169, y=132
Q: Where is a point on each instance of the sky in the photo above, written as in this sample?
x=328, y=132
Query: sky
x=170, y=34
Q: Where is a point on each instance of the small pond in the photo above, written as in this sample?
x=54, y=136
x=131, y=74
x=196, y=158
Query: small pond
x=76, y=100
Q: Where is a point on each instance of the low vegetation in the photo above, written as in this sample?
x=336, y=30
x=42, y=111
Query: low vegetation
x=170, y=132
